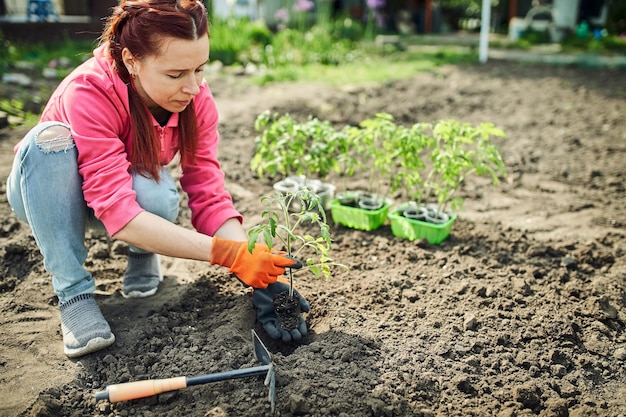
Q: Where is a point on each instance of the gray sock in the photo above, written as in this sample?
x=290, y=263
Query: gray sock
x=85, y=329
x=142, y=276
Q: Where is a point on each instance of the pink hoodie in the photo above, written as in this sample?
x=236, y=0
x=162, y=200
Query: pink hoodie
x=93, y=101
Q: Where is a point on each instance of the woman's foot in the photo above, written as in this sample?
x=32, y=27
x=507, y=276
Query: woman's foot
x=143, y=275
x=84, y=328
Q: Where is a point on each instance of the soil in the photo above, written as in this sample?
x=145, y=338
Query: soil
x=521, y=311
x=287, y=309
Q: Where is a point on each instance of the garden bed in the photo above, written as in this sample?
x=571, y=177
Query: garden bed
x=519, y=311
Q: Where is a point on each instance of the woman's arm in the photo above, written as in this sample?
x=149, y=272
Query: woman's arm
x=155, y=234
x=257, y=269
x=232, y=229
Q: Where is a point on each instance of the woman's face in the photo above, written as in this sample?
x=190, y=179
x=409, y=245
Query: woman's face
x=171, y=79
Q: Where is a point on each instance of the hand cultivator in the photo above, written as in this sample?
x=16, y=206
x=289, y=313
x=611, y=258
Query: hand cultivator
x=147, y=388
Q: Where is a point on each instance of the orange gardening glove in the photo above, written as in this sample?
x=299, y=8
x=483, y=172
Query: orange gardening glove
x=257, y=269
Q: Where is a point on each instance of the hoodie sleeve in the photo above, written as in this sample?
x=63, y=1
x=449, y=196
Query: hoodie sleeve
x=203, y=179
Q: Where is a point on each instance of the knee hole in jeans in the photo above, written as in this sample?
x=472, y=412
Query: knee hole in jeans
x=54, y=138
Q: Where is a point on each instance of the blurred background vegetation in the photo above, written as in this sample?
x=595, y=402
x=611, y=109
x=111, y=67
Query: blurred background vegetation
x=333, y=50
x=308, y=33
x=318, y=45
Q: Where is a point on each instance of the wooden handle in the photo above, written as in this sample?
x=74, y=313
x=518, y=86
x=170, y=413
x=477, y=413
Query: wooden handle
x=142, y=389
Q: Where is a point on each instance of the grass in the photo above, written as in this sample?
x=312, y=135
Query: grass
x=372, y=68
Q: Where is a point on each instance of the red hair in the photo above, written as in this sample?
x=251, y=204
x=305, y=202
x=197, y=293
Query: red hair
x=141, y=26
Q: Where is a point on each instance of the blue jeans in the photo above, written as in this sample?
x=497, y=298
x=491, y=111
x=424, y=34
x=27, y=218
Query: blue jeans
x=44, y=189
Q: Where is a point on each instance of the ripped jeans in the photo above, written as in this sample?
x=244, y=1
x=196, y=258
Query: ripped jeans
x=44, y=189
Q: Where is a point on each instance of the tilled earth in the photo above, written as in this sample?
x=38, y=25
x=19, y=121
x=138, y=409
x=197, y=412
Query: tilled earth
x=519, y=312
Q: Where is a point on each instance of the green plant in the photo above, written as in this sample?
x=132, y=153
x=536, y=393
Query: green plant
x=344, y=145
x=291, y=47
x=288, y=147
x=378, y=152
x=412, y=147
x=374, y=17
x=304, y=235
x=453, y=151
x=238, y=41
x=614, y=44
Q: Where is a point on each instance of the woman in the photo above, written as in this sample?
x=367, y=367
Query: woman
x=98, y=157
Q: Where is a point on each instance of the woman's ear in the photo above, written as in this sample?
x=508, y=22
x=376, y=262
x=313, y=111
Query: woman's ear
x=129, y=61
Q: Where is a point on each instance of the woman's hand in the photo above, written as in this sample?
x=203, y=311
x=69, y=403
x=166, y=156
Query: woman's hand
x=257, y=269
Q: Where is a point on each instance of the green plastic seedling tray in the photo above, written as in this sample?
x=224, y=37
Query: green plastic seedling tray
x=412, y=229
x=358, y=218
